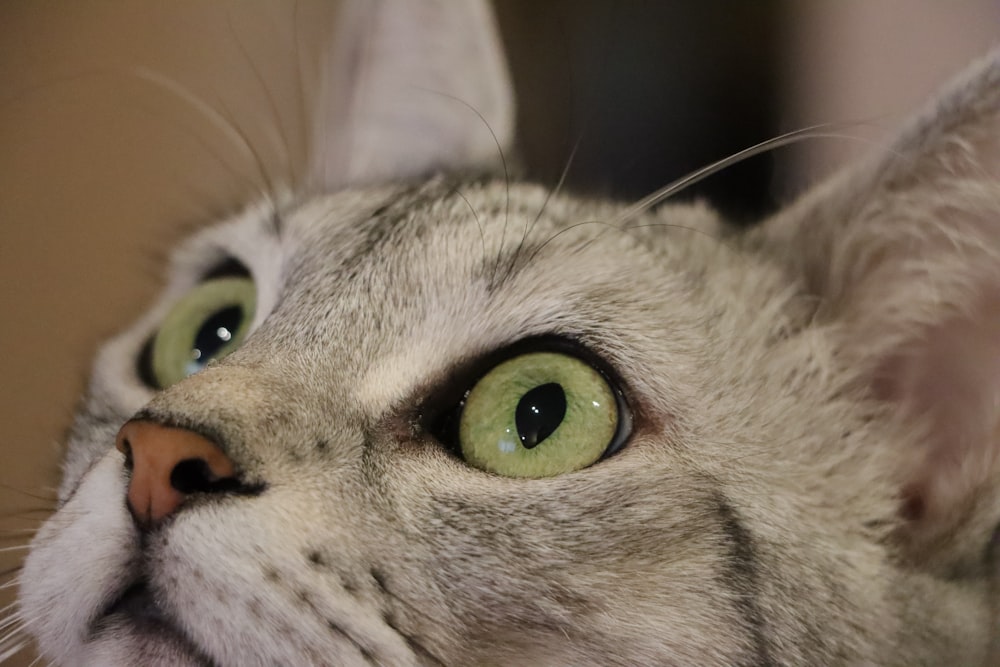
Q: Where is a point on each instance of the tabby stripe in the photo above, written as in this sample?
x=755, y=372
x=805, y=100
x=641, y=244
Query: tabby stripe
x=742, y=578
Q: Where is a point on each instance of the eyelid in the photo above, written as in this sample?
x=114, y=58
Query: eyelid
x=230, y=267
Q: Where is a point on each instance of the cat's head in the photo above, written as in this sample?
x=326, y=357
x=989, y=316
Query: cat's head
x=472, y=422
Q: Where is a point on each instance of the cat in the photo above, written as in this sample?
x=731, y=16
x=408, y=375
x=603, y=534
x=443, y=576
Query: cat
x=411, y=419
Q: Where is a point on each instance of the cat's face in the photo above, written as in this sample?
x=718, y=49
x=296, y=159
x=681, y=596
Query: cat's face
x=365, y=535
x=469, y=422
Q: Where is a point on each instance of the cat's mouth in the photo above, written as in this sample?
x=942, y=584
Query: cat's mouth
x=137, y=614
x=138, y=605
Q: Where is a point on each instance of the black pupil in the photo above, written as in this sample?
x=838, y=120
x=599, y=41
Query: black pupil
x=539, y=413
x=215, y=333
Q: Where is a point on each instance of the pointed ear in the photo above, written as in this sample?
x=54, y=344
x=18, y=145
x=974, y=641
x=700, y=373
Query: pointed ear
x=410, y=87
x=904, y=253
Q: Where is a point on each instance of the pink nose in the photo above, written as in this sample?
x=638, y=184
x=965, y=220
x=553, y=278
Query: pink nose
x=168, y=464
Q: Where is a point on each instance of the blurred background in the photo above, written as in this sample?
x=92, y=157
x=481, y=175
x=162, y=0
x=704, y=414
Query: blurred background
x=100, y=170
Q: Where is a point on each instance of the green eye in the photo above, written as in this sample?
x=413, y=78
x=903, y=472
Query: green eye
x=540, y=415
x=208, y=323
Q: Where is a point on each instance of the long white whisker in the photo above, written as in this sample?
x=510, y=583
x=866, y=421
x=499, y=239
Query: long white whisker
x=548, y=196
x=8, y=653
x=19, y=547
x=15, y=633
x=21, y=511
x=479, y=223
x=228, y=127
x=258, y=160
x=12, y=625
x=277, y=136
x=226, y=164
x=503, y=162
x=814, y=132
x=12, y=572
x=197, y=104
x=14, y=489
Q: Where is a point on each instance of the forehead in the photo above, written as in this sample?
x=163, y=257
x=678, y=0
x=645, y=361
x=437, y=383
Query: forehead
x=415, y=250
x=488, y=231
x=471, y=225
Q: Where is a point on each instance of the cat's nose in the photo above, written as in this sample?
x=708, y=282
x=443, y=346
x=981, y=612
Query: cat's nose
x=169, y=464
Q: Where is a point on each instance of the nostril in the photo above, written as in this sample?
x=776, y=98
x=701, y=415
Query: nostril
x=196, y=476
x=169, y=464
x=125, y=447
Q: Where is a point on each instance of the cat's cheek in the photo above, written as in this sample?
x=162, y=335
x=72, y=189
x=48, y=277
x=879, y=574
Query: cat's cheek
x=80, y=560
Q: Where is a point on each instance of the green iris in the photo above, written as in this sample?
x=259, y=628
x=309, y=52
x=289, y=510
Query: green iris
x=208, y=323
x=538, y=415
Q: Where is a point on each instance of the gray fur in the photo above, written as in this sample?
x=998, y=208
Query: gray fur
x=792, y=387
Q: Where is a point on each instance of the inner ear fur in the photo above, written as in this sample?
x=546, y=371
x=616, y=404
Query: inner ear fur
x=903, y=252
x=409, y=88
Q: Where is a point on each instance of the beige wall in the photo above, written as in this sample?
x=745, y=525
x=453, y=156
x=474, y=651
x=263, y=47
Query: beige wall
x=100, y=169
x=870, y=62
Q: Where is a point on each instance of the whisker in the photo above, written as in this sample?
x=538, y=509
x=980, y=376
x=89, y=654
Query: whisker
x=17, y=643
x=4, y=610
x=8, y=653
x=201, y=142
x=19, y=547
x=197, y=104
x=548, y=196
x=14, y=514
x=261, y=165
x=227, y=126
x=619, y=223
x=15, y=640
x=15, y=489
x=568, y=229
x=475, y=214
x=272, y=106
x=825, y=130
x=503, y=162
x=12, y=623
x=630, y=228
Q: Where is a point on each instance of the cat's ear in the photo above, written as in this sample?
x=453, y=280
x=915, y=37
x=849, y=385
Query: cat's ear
x=904, y=255
x=408, y=88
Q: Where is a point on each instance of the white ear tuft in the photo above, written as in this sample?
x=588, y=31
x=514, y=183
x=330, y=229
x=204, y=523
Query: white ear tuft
x=411, y=87
x=905, y=253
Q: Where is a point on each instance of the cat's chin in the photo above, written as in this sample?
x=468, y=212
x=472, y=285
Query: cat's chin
x=135, y=630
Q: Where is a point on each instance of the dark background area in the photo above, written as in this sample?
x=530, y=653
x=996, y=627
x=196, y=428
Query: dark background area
x=647, y=92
